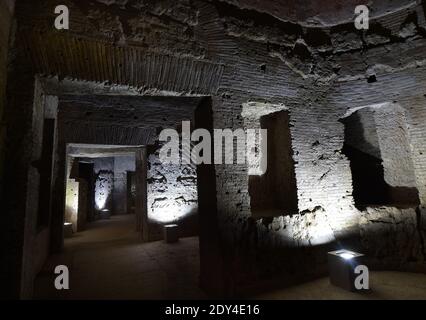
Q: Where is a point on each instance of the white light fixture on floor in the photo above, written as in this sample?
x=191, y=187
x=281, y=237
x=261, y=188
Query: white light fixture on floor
x=68, y=230
x=341, y=267
x=171, y=233
x=347, y=255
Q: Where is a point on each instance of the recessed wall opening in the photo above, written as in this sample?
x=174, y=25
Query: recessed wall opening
x=96, y=182
x=169, y=189
x=119, y=193
x=380, y=157
x=273, y=193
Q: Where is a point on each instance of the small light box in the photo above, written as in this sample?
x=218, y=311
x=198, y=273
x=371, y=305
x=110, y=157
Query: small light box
x=68, y=230
x=341, y=267
x=171, y=233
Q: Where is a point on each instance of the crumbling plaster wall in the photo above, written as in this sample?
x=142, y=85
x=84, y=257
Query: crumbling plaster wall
x=172, y=196
x=318, y=14
x=104, y=184
x=318, y=74
x=393, y=238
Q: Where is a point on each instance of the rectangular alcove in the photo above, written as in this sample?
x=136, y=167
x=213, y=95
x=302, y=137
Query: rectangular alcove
x=377, y=146
x=274, y=192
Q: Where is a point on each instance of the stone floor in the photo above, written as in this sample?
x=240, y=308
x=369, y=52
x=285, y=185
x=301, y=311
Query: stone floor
x=385, y=285
x=108, y=261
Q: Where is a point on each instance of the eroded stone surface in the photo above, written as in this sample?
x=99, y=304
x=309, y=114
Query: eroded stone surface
x=392, y=236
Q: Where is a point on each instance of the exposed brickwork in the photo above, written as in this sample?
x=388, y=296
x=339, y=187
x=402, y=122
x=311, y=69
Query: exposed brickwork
x=6, y=16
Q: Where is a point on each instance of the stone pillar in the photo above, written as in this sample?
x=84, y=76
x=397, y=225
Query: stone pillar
x=6, y=16
x=141, y=194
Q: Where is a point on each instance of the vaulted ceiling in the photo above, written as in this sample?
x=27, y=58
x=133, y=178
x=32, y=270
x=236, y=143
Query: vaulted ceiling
x=320, y=12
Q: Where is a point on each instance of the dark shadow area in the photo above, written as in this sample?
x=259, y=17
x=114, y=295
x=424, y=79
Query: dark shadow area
x=369, y=186
x=86, y=170
x=362, y=148
x=131, y=192
x=45, y=170
x=211, y=255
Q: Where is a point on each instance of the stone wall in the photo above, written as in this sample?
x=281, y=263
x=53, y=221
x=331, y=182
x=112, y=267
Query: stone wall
x=122, y=164
x=416, y=118
x=361, y=132
x=172, y=196
x=104, y=185
x=391, y=238
x=379, y=134
x=71, y=194
x=392, y=129
x=6, y=16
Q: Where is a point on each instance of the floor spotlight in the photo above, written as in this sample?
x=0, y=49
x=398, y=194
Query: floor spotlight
x=341, y=267
x=171, y=233
x=68, y=230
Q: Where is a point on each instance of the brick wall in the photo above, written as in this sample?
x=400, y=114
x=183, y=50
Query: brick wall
x=6, y=16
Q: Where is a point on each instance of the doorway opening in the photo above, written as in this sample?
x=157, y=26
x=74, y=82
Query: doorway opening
x=272, y=192
x=114, y=197
x=97, y=183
